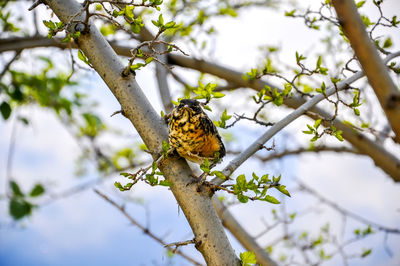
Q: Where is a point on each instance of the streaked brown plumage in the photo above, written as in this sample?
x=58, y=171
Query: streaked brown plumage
x=193, y=134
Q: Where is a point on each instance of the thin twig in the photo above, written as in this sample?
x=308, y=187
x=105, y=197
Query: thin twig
x=143, y=228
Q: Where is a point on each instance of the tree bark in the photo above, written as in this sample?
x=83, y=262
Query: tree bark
x=375, y=70
x=210, y=236
x=382, y=158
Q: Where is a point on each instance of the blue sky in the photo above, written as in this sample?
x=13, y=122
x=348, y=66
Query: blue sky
x=85, y=230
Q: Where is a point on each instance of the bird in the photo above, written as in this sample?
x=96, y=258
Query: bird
x=193, y=135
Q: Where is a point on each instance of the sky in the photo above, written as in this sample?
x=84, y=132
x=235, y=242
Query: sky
x=83, y=229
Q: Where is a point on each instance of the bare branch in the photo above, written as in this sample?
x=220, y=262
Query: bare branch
x=144, y=229
x=7, y=66
x=307, y=150
x=345, y=212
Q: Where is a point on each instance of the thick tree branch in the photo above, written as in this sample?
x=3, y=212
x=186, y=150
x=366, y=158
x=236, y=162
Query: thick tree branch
x=382, y=158
x=259, y=143
x=367, y=54
x=211, y=239
x=241, y=234
x=227, y=218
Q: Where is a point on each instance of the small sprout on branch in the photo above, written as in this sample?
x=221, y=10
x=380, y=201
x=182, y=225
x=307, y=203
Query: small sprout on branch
x=248, y=258
x=258, y=186
x=290, y=13
x=83, y=57
x=366, y=252
x=219, y=174
x=205, y=167
x=224, y=117
x=207, y=92
x=165, y=148
x=53, y=27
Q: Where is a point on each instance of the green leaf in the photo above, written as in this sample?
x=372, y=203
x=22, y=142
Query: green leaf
x=288, y=89
x=255, y=176
x=128, y=11
x=317, y=123
x=149, y=59
x=360, y=4
x=276, y=179
x=154, y=166
x=49, y=24
x=119, y=186
x=83, y=57
x=165, y=183
x=367, y=231
x=15, y=189
x=161, y=19
x=242, y=198
x=366, y=253
x=271, y=199
x=170, y=25
x=290, y=13
x=335, y=80
x=283, y=190
x=367, y=21
x=5, y=110
x=241, y=181
x=19, y=208
x=218, y=94
x=125, y=174
x=388, y=43
x=137, y=66
x=37, y=190
x=165, y=147
x=248, y=258
x=307, y=88
x=299, y=57
x=205, y=166
x=152, y=180
x=319, y=62
x=394, y=21
x=219, y=174
x=207, y=108
x=24, y=120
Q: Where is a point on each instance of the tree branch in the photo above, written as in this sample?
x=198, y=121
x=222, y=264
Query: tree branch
x=197, y=207
x=143, y=228
x=375, y=70
x=259, y=143
x=389, y=163
x=278, y=155
x=241, y=234
x=382, y=158
x=343, y=211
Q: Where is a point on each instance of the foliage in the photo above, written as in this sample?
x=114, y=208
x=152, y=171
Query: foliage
x=180, y=26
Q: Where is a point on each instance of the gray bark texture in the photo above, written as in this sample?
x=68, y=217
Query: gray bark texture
x=210, y=236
